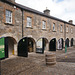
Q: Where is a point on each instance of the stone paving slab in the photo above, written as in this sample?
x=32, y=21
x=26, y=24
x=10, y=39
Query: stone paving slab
x=35, y=65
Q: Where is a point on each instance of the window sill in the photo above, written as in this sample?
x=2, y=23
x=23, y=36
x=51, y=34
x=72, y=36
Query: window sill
x=9, y=24
x=66, y=32
x=29, y=27
x=61, y=32
x=54, y=31
x=44, y=29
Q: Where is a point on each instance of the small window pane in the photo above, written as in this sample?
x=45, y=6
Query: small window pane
x=29, y=22
x=67, y=29
x=61, y=28
x=8, y=16
x=44, y=25
x=53, y=27
x=71, y=30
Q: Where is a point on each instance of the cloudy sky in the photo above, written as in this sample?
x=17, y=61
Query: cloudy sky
x=63, y=9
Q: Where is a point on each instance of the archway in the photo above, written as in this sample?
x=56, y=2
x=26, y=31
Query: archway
x=71, y=42
x=31, y=44
x=52, y=45
x=60, y=44
x=41, y=45
x=8, y=46
x=26, y=45
x=67, y=42
x=11, y=46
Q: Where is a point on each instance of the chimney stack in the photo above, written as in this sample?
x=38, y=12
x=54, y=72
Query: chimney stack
x=71, y=21
x=47, y=11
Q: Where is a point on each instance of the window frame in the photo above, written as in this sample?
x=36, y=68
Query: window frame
x=61, y=28
x=67, y=29
x=29, y=22
x=43, y=24
x=71, y=30
x=54, y=27
x=8, y=16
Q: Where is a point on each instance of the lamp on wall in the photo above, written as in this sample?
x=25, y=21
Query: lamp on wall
x=14, y=7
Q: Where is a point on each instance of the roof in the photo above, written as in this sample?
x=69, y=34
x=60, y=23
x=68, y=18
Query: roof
x=34, y=11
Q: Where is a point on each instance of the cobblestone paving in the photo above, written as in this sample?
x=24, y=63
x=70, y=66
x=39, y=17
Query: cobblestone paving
x=35, y=64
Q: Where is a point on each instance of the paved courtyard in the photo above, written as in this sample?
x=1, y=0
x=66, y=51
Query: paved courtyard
x=35, y=64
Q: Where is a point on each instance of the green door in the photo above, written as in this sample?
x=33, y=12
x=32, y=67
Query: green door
x=2, y=48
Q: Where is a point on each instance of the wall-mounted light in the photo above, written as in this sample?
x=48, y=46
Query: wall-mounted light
x=14, y=7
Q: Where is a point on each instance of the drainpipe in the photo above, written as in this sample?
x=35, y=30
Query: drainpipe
x=64, y=31
x=22, y=22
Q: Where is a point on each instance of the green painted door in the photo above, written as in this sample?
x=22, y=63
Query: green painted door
x=2, y=48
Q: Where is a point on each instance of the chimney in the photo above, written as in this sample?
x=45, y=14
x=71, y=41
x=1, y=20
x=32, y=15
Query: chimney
x=47, y=11
x=71, y=21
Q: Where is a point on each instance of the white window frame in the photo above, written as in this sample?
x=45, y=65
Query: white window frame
x=29, y=22
x=67, y=29
x=61, y=28
x=8, y=16
x=71, y=30
x=53, y=26
x=43, y=24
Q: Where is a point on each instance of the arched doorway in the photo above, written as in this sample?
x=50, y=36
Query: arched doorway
x=41, y=45
x=71, y=42
x=67, y=42
x=60, y=44
x=8, y=46
x=31, y=44
x=52, y=45
x=26, y=45
x=11, y=46
x=23, y=47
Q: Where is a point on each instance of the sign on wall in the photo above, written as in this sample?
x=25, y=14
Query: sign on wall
x=2, y=48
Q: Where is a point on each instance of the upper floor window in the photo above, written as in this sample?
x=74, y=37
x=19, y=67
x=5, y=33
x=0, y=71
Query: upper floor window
x=53, y=26
x=71, y=30
x=8, y=16
x=29, y=21
x=44, y=25
x=67, y=29
x=61, y=28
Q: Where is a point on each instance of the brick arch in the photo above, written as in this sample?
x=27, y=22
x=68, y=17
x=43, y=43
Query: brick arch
x=30, y=43
x=31, y=37
x=44, y=38
x=11, y=36
x=52, y=44
x=11, y=44
x=60, y=44
x=67, y=42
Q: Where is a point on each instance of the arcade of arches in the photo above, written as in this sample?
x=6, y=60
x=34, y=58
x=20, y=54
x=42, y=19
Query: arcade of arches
x=41, y=45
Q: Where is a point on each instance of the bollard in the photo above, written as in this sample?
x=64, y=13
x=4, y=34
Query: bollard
x=65, y=48
x=0, y=67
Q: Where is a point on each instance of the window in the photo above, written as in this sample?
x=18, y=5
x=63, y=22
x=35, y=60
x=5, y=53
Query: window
x=71, y=30
x=61, y=28
x=44, y=25
x=29, y=21
x=67, y=29
x=53, y=26
x=8, y=16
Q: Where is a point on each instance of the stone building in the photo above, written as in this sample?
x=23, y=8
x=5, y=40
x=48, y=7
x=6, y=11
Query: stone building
x=18, y=21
